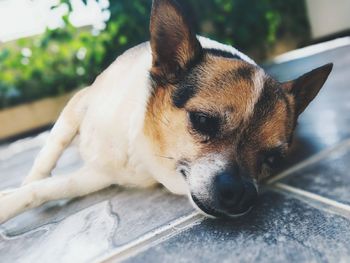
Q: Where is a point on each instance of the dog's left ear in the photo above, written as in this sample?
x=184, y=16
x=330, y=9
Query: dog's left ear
x=173, y=41
x=305, y=88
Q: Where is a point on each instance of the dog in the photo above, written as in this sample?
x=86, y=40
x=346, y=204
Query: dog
x=196, y=116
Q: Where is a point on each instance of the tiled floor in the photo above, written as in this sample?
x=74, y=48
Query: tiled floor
x=303, y=214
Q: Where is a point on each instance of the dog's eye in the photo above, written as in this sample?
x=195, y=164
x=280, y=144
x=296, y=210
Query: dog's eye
x=273, y=159
x=204, y=124
x=270, y=161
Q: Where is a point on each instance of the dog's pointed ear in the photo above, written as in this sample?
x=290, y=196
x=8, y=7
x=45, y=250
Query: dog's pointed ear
x=305, y=88
x=173, y=41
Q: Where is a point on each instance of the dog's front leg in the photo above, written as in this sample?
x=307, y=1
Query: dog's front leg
x=84, y=181
x=60, y=137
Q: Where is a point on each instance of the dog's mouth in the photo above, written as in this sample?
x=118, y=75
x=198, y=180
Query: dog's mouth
x=214, y=212
x=183, y=167
x=206, y=209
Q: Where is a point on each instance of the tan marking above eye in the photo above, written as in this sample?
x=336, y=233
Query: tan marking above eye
x=274, y=129
x=232, y=96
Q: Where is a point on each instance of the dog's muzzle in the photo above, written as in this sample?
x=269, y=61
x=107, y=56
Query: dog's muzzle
x=231, y=196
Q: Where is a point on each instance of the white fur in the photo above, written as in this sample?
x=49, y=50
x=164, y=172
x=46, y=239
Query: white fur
x=109, y=116
x=202, y=173
x=209, y=43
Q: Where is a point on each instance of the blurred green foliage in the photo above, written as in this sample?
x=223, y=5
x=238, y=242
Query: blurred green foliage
x=49, y=65
x=67, y=58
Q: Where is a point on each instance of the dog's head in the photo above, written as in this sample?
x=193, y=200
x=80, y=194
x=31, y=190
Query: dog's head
x=221, y=122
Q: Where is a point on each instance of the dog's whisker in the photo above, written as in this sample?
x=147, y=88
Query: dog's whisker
x=166, y=157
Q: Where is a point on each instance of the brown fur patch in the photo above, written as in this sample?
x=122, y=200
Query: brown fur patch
x=221, y=90
x=224, y=90
x=271, y=128
x=166, y=126
x=273, y=131
x=253, y=119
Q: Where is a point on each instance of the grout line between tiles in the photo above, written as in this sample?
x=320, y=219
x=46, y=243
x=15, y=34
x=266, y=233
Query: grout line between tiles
x=152, y=238
x=311, y=160
x=313, y=196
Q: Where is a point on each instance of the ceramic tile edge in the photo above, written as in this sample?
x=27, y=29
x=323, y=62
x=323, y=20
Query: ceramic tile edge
x=338, y=206
x=151, y=238
x=309, y=161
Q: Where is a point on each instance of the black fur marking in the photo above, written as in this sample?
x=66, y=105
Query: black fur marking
x=246, y=72
x=182, y=94
x=178, y=74
x=221, y=53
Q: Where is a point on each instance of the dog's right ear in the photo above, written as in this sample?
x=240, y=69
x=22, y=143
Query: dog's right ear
x=305, y=88
x=173, y=41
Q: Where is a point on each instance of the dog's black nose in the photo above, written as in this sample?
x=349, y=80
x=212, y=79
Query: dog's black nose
x=234, y=194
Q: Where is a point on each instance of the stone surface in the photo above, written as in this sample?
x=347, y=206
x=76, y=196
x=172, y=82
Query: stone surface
x=280, y=229
x=89, y=227
x=79, y=238
x=329, y=178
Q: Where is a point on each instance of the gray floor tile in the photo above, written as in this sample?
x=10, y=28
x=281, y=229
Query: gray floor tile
x=280, y=229
x=85, y=228
x=329, y=177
